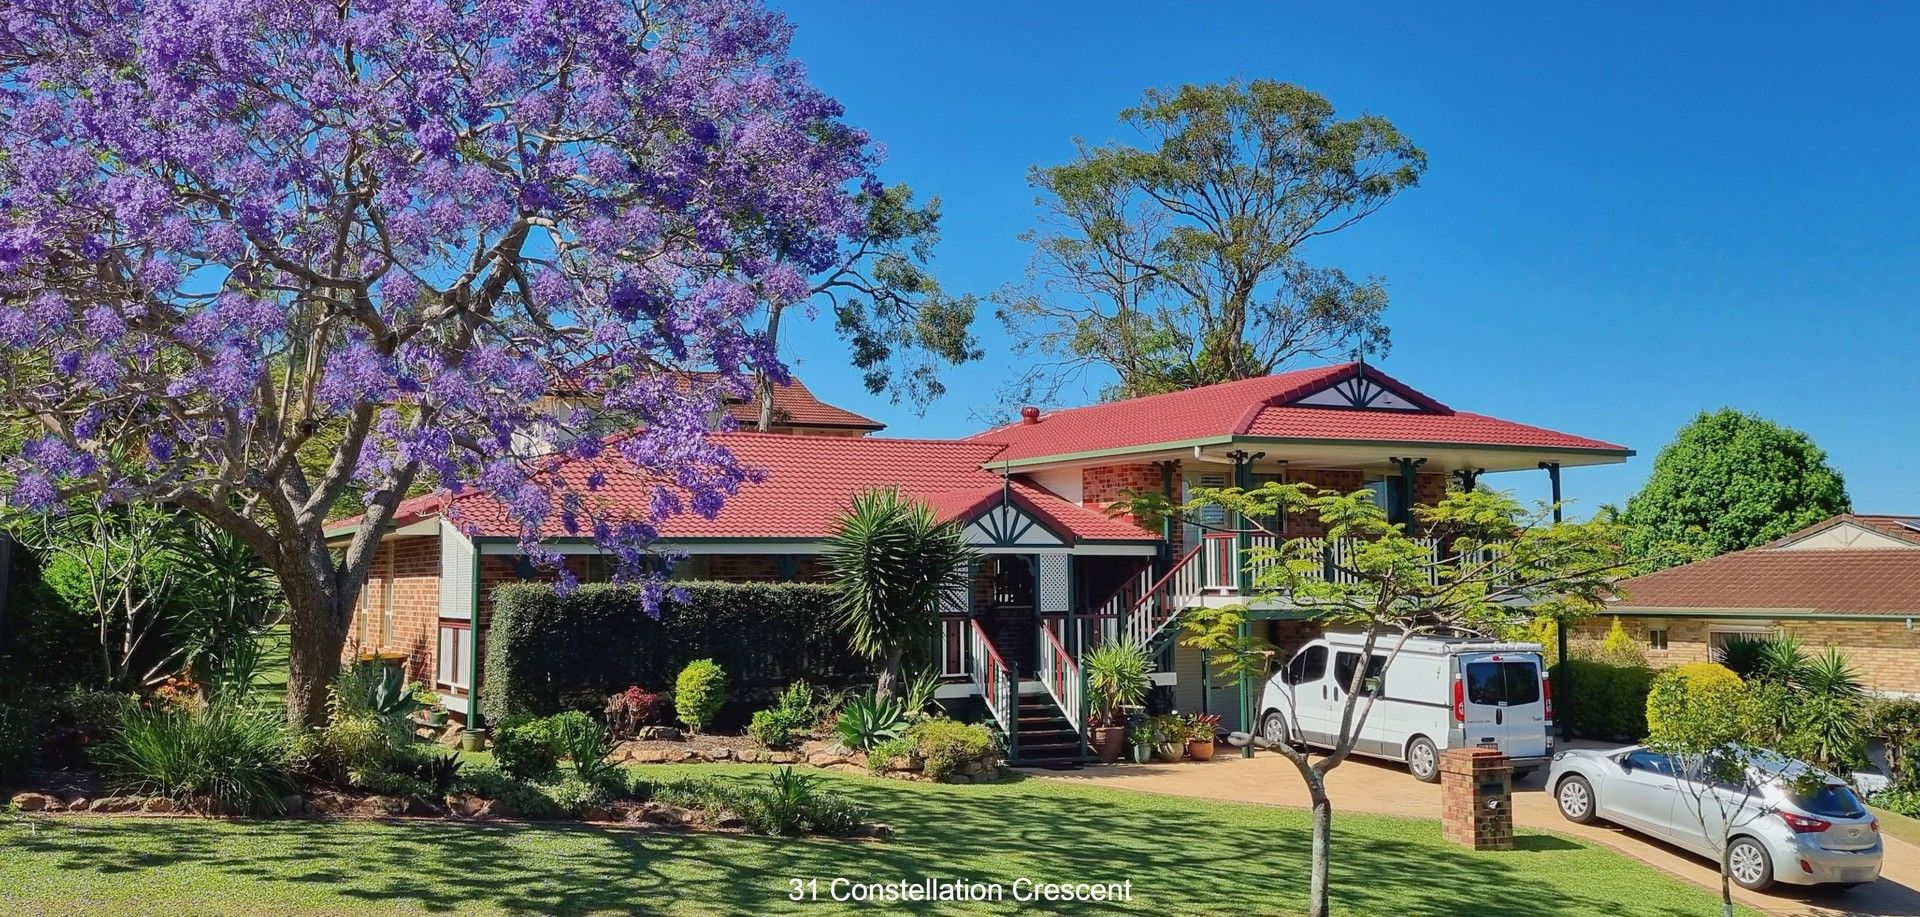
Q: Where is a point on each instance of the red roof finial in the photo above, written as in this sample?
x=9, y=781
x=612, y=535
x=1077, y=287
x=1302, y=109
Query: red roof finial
x=1029, y=414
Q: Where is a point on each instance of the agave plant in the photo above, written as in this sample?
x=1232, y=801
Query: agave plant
x=890, y=560
x=1117, y=676
x=870, y=719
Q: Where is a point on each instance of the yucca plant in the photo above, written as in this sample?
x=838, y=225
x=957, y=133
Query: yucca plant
x=1780, y=659
x=236, y=757
x=889, y=561
x=1118, y=675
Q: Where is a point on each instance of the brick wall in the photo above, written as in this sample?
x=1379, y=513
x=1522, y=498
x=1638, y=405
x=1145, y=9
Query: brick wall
x=1104, y=484
x=399, y=608
x=1886, y=654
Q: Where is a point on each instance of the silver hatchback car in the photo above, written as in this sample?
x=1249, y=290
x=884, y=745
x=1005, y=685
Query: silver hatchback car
x=1779, y=835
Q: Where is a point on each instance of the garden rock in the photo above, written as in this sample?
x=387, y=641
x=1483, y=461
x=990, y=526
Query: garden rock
x=111, y=805
x=729, y=822
x=658, y=734
x=379, y=807
x=327, y=802
x=424, y=807
x=159, y=805
x=826, y=759
x=595, y=813
x=748, y=755
x=717, y=754
x=659, y=813
x=292, y=805
x=880, y=831
x=782, y=757
x=467, y=805
x=36, y=802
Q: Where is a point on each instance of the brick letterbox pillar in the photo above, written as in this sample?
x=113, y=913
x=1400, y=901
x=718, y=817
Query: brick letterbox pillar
x=1476, y=798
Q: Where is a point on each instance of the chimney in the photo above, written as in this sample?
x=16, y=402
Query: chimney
x=1029, y=415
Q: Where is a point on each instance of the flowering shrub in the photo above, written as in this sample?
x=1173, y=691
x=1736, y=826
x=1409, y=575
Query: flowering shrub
x=631, y=709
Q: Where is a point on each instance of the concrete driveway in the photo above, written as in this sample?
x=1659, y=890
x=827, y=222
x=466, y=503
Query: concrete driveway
x=1360, y=785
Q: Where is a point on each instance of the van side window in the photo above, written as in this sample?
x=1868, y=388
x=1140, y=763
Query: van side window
x=1344, y=663
x=1307, y=666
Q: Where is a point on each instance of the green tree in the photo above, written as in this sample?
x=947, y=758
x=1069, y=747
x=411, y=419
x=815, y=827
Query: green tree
x=1179, y=264
x=1499, y=562
x=889, y=562
x=1728, y=481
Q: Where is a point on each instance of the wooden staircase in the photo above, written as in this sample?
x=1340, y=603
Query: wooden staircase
x=1047, y=738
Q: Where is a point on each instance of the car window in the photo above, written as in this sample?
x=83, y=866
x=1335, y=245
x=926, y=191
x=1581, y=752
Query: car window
x=1510, y=682
x=1831, y=801
x=1650, y=762
x=1308, y=666
x=1343, y=666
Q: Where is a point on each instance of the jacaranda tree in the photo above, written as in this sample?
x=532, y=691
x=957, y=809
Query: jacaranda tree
x=261, y=258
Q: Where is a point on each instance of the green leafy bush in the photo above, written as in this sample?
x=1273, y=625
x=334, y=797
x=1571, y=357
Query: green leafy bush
x=1599, y=700
x=1690, y=684
x=525, y=748
x=946, y=745
x=884, y=754
x=572, y=793
x=22, y=726
x=237, y=757
x=780, y=726
x=789, y=803
x=524, y=797
x=870, y=719
x=1904, y=800
x=542, y=645
x=698, y=693
x=1896, y=722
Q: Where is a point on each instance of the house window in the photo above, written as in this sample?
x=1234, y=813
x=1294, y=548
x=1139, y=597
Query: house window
x=455, y=650
x=1717, y=638
x=1657, y=638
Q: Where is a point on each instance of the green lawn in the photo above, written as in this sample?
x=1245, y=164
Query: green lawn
x=1183, y=856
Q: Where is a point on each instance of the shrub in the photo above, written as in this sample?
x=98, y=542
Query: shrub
x=946, y=745
x=870, y=719
x=1117, y=676
x=1620, y=649
x=883, y=754
x=237, y=757
x=788, y=803
x=583, y=741
x=1678, y=687
x=780, y=725
x=352, y=742
x=1602, y=701
x=524, y=747
x=572, y=793
x=440, y=773
x=1904, y=800
x=492, y=783
x=22, y=724
x=1896, y=721
x=631, y=709
x=699, y=692
x=542, y=645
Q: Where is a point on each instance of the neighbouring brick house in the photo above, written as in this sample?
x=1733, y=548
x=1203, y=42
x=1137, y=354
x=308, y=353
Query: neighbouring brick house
x=1060, y=573
x=1851, y=582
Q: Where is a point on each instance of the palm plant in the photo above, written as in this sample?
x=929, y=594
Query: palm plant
x=890, y=561
x=1781, y=659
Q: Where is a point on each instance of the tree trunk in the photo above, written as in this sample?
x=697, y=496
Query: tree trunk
x=1726, y=889
x=888, y=684
x=1317, y=890
x=313, y=658
x=761, y=381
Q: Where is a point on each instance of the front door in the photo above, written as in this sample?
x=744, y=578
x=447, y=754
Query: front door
x=1009, y=618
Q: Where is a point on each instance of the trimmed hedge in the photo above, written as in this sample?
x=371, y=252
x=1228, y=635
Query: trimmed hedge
x=1602, y=701
x=543, y=646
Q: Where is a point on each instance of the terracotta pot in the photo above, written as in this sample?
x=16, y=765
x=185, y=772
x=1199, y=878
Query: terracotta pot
x=1109, y=742
x=1142, y=754
x=1200, y=750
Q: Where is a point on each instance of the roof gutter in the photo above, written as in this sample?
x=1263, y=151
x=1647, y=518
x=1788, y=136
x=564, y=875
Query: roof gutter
x=1787, y=614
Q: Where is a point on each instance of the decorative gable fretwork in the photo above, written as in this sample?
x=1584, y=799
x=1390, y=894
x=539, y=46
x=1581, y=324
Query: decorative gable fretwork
x=1007, y=526
x=1357, y=392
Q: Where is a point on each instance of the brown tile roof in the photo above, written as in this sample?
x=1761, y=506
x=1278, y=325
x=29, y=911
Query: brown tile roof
x=1905, y=528
x=1862, y=581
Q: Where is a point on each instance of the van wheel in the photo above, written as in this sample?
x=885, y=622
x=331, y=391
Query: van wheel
x=1423, y=760
x=1749, y=865
x=1273, y=728
x=1575, y=796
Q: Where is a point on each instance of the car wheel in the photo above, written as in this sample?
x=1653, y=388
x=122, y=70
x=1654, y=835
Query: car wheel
x=1575, y=797
x=1423, y=760
x=1749, y=865
x=1273, y=728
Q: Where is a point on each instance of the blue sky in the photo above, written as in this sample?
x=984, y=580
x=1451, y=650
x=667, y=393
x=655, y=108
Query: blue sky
x=1629, y=215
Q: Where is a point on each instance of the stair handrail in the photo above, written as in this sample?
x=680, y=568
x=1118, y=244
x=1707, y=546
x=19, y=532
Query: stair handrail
x=1060, y=675
x=1149, y=614
x=994, y=679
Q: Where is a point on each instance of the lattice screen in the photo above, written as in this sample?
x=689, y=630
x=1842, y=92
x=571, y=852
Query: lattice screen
x=1056, y=582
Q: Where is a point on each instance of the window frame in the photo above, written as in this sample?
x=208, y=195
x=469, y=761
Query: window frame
x=455, y=634
x=1758, y=631
x=1660, y=644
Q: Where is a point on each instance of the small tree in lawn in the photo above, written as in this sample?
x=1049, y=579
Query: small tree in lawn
x=272, y=263
x=1500, y=561
x=1702, y=717
x=890, y=561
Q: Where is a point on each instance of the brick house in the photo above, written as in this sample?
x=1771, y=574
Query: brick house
x=1059, y=575
x=1851, y=582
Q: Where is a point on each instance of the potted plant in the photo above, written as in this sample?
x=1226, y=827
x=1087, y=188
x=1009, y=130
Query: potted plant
x=1170, y=736
x=429, y=700
x=1142, y=737
x=1116, y=679
x=1201, y=730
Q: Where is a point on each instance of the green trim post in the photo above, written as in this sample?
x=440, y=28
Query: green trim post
x=1242, y=542
x=475, y=720
x=1560, y=627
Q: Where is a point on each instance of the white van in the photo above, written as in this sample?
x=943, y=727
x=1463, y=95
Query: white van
x=1441, y=692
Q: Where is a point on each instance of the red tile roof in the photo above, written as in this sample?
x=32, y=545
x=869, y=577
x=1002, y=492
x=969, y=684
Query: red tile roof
x=793, y=404
x=1867, y=581
x=1900, y=527
x=810, y=481
x=1261, y=407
